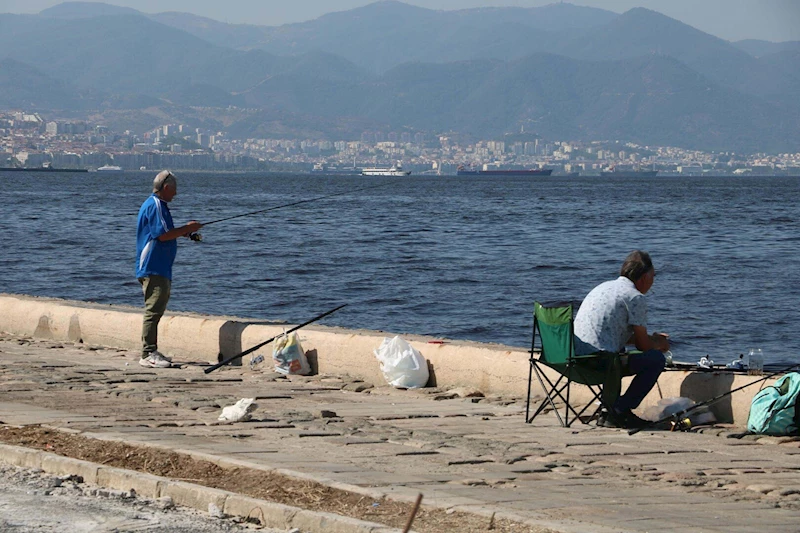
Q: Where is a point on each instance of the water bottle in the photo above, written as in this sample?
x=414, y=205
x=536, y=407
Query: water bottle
x=756, y=362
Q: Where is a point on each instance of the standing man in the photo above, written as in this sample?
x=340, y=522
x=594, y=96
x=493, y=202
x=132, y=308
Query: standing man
x=614, y=314
x=156, y=248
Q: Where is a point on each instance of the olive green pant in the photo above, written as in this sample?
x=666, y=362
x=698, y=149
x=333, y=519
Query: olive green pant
x=156, y=295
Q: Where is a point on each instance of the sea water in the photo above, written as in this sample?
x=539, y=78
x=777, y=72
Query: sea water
x=449, y=257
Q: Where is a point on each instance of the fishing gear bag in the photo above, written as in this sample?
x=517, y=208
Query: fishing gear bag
x=289, y=356
x=774, y=410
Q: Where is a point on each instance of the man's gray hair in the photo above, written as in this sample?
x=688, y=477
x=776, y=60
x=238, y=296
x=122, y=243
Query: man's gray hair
x=636, y=265
x=163, y=178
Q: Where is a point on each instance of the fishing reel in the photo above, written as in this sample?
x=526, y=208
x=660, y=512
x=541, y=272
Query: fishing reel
x=680, y=424
x=196, y=237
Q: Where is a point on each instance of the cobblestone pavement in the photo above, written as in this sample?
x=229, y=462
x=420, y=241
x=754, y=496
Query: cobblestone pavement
x=471, y=453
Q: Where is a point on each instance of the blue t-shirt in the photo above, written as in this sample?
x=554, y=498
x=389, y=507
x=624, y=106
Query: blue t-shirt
x=153, y=257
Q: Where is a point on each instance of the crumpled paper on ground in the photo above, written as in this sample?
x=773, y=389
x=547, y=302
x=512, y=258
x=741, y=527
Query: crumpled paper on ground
x=238, y=412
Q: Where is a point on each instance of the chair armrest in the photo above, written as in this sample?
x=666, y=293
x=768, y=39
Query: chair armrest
x=596, y=355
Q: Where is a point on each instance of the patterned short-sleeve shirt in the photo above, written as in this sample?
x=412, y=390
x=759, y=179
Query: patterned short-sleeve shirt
x=607, y=315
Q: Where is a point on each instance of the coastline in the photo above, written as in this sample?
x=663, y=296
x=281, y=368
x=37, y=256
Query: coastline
x=491, y=368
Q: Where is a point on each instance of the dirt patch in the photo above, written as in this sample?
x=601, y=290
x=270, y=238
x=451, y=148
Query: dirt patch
x=259, y=484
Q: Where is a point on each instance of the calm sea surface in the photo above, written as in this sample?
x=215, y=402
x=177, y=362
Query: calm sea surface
x=458, y=258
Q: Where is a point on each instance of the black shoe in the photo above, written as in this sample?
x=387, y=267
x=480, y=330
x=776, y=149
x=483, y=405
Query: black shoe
x=609, y=419
x=624, y=420
x=634, y=422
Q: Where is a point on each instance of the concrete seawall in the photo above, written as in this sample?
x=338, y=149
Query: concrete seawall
x=493, y=369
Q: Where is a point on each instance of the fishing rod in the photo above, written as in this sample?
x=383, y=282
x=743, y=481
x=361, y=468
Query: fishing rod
x=198, y=237
x=678, y=422
x=257, y=346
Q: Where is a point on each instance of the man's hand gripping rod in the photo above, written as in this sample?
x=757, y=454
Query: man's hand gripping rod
x=257, y=346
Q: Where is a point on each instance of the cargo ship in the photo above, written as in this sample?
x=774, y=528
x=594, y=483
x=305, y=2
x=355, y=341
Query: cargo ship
x=322, y=169
x=614, y=173
x=41, y=169
x=461, y=171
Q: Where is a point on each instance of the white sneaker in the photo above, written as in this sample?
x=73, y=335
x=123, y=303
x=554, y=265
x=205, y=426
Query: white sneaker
x=155, y=360
x=161, y=355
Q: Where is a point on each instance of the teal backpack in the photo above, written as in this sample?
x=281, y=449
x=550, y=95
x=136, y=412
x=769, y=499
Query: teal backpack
x=774, y=410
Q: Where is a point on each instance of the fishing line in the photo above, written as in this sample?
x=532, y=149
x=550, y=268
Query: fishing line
x=198, y=237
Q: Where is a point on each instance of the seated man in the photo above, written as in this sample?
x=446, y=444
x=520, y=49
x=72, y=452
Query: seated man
x=614, y=314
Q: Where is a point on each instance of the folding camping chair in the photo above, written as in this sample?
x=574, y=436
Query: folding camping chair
x=554, y=327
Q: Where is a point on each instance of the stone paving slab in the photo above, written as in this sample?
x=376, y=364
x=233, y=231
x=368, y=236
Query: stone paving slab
x=474, y=454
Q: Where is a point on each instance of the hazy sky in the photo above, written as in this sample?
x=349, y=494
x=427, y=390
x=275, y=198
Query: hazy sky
x=772, y=20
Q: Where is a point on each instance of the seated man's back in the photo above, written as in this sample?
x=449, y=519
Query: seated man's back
x=614, y=314
x=607, y=315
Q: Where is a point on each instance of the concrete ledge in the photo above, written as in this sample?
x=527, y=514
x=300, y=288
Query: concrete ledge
x=22, y=457
x=493, y=369
x=194, y=496
x=189, y=495
x=272, y=515
x=56, y=464
x=145, y=485
x=332, y=523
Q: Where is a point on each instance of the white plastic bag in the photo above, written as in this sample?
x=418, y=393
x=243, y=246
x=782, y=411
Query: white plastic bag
x=401, y=364
x=238, y=412
x=289, y=356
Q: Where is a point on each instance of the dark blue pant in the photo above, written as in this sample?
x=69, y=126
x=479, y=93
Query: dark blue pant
x=645, y=367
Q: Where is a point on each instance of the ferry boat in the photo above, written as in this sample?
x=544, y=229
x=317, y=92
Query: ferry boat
x=395, y=170
x=109, y=168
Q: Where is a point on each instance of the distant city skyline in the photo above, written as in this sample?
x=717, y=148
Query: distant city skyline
x=733, y=20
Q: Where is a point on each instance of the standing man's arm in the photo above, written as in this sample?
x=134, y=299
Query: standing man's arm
x=182, y=231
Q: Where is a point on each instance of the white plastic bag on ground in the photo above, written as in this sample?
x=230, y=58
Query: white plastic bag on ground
x=401, y=364
x=238, y=412
x=289, y=356
x=669, y=406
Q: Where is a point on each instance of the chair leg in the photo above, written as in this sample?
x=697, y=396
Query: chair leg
x=598, y=396
x=547, y=394
x=548, y=400
x=528, y=401
x=575, y=414
x=558, y=389
x=566, y=410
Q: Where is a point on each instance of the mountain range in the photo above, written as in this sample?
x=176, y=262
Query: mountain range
x=561, y=71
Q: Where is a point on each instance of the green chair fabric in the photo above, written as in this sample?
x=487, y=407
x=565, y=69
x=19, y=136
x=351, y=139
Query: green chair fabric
x=601, y=372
